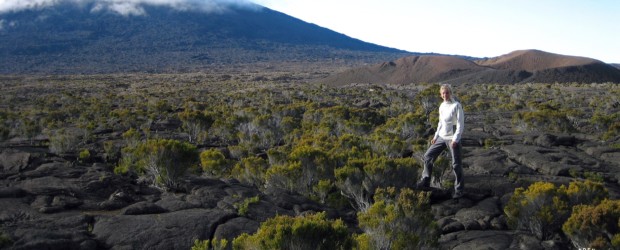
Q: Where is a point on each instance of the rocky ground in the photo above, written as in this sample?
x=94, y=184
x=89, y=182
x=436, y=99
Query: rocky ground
x=51, y=201
x=57, y=202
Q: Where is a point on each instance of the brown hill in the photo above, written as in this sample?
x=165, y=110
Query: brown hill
x=516, y=67
x=533, y=60
x=412, y=69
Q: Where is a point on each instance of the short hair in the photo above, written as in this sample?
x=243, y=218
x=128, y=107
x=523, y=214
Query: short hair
x=446, y=86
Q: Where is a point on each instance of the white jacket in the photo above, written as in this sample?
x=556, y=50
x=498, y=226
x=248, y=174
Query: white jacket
x=451, y=121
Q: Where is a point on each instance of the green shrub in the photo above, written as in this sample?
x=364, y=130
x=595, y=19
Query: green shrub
x=287, y=177
x=126, y=117
x=30, y=128
x=314, y=163
x=5, y=130
x=594, y=176
x=259, y=134
x=405, y=127
x=398, y=220
x=542, y=208
x=348, y=146
x=251, y=170
x=391, y=147
x=304, y=232
x=490, y=143
x=613, y=131
x=161, y=160
x=322, y=189
x=586, y=192
x=384, y=172
x=210, y=245
x=5, y=240
x=595, y=226
x=111, y=151
x=609, y=123
x=63, y=141
x=359, y=178
x=131, y=137
x=349, y=180
x=276, y=156
x=551, y=119
x=243, y=207
x=84, y=155
x=195, y=123
x=201, y=245
x=214, y=163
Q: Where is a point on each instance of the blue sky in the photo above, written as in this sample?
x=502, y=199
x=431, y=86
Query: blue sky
x=480, y=28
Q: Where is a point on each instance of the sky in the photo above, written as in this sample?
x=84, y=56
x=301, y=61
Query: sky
x=478, y=28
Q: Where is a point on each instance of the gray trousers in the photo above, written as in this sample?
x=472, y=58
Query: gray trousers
x=457, y=167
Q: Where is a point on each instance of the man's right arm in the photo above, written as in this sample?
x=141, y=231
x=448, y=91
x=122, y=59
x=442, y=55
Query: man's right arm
x=436, y=133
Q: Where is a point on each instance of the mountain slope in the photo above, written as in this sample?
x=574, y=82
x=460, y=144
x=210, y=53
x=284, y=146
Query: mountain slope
x=412, y=69
x=515, y=67
x=69, y=38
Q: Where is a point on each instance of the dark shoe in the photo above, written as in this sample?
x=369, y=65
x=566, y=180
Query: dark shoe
x=457, y=194
x=424, y=183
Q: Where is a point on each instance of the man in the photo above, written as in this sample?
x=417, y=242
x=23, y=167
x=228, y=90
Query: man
x=448, y=135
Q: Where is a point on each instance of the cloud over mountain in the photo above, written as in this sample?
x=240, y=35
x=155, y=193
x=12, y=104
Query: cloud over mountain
x=109, y=36
x=125, y=7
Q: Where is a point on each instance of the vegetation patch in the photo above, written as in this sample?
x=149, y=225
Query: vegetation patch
x=543, y=207
x=313, y=231
x=345, y=147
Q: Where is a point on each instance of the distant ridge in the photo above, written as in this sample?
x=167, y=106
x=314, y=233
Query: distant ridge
x=412, y=69
x=520, y=66
x=534, y=60
x=77, y=38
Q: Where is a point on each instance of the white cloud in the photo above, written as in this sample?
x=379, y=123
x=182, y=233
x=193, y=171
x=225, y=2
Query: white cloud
x=15, y=5
x=125, y=7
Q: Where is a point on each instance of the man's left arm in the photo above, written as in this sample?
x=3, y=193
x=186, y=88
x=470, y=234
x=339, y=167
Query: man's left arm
x=460, y=125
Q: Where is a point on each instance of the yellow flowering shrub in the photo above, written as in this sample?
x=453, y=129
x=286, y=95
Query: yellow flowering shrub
x=398, y=220
x=542, y=208
x=595, y=226
x=313, y=231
